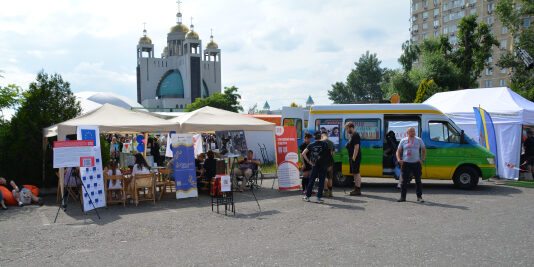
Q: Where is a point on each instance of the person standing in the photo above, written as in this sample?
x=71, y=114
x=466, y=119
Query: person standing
x=355, y=157
x=411, y=162
x=529, y=151
x=328, y=185
x=306, y=168
x=320, y=158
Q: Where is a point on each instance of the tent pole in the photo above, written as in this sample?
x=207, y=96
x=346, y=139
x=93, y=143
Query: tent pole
x=146, y=141
x=45, y=142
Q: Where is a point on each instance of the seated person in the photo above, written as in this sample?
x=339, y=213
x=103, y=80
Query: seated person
x=2, y=202
x=18, y=189
x=140, y=167
x=114, y=170
x=210, y=165
x=199, y=161
x=248, y=164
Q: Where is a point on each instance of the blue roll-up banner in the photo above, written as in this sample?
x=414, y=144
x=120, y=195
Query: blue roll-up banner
x=182, y=146
x=486, y=131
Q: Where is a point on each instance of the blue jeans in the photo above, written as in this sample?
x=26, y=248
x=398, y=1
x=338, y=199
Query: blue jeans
x=316, y=170
x=1, y=196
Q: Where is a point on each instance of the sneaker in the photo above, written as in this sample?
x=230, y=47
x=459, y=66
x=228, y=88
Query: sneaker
x=21, y=204
x=40, y=201
x=319, y=200
x=330, y=193
x=420, y=199
x=399, y=186
x=401, y=200
x=305, y=198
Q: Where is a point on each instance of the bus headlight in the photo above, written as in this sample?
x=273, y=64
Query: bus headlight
x=491, y=161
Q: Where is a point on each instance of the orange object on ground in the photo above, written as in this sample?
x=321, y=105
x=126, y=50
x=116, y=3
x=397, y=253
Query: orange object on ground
x=33, y=188
x=8, y=196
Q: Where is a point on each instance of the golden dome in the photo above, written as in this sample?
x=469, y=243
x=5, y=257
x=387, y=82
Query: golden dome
x=191, y=35
x=165, y=49
x=145, y=40
x=179, y=28
x=212, y=44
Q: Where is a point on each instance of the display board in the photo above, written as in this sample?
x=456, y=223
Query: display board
x=185, y=178
x=332, y=127
x=69, y=153
x=287, y=158
x=231, y=143
x=92, y=177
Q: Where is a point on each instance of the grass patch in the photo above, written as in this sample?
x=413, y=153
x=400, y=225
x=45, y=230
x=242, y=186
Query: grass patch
x=527, y=184
x=271, y=168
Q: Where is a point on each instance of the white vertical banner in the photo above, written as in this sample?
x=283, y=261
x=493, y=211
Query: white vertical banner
x=92, y=177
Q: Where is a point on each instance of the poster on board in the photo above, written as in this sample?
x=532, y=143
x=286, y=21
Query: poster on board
x=185, y=176
x=92, y=176
x=231, y=143
x=287, y=158
x=332, y=127
x=68, y=153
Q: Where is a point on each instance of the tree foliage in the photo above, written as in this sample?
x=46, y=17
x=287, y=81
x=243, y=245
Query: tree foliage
x=363, y=82
x=229, y=100
x=410, y=52
x=512, y=13
x=47, y=101
x=474, y=48
x=426, y=90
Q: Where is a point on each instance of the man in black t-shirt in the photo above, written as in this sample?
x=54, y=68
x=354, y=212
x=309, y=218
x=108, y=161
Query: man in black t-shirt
x=306, y=168
x=529, y=151
x=320, y=159
x=355, y=157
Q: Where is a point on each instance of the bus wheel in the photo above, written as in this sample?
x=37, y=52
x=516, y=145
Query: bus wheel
x=466, y=177
x=342, y=180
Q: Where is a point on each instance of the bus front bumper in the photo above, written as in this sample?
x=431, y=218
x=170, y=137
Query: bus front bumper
x=488, y=172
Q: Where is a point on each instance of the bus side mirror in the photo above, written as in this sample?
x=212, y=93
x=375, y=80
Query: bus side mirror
x=462, y=138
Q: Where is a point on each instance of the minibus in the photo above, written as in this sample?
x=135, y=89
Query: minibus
x=451, y=155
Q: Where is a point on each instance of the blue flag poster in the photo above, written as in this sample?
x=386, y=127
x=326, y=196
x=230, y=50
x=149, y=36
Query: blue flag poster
x=93, y=176
x=486, y=131
x=183, y=150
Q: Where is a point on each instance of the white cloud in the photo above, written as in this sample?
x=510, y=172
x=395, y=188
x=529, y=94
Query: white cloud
x=279, y=51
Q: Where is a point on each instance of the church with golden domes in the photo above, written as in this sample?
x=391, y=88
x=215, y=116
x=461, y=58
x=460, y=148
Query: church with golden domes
x=184, y=72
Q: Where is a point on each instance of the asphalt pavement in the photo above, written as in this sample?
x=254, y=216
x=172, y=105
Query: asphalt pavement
x=491, y=225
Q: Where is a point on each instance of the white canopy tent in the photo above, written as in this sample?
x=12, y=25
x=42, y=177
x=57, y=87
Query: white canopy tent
x=214, y=119
x=110, y=118
x=508, y=110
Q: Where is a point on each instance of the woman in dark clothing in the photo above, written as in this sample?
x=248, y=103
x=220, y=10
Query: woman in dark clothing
x=210, y=165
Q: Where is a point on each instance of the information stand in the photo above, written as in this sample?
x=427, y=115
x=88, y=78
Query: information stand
x=221, y=193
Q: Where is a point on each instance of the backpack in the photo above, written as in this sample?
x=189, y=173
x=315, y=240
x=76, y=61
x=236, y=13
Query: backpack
x=26, y=197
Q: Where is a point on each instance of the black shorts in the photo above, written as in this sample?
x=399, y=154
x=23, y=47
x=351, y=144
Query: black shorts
x=306, y=167
x=330, y=172
x=355, y=166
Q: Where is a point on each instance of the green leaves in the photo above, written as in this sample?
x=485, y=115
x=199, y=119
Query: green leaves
x=363, y=83
x=229, y=100
x=47, y=101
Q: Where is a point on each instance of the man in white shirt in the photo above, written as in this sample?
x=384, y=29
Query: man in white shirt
x=411, y=161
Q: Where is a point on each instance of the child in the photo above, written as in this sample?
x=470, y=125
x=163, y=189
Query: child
x=114, y=170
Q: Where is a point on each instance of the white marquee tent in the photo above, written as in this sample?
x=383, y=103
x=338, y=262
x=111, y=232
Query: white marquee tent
x=508, y=110
x=213, y=119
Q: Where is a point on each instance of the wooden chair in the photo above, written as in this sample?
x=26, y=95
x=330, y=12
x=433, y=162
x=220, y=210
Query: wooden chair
x=109, y=191
x=144, y=182
x=162, y=181
x=170, y=185
x=71, y=189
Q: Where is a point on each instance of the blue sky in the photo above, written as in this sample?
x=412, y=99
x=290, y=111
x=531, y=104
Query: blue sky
x=279, y=51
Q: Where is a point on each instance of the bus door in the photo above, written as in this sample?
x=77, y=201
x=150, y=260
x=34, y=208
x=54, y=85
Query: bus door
x=298, y=124
x=370, y=145
x=444, y=149
x=398, y=124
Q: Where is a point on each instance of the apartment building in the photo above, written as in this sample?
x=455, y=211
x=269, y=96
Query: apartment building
x=430, y=18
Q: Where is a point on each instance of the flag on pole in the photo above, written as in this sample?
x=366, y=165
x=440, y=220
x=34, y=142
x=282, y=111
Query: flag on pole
x=486, y=131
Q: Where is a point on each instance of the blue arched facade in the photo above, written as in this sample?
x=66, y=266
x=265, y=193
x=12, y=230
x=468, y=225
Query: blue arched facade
x=171, y=85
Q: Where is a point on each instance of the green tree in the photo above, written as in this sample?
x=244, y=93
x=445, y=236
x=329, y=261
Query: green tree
x=512, y=13
x=9, y=96
x=410, y=52
x=474, y=48
x=363, y=82
x=47, y=101
x=426, y=89
x=229, y=100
